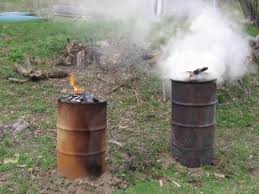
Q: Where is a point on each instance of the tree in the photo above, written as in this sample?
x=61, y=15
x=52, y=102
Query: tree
x=251, y=10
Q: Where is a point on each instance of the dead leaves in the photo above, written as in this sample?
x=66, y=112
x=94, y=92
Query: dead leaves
x=219, y=176
x=16, y=127
x=13, y=160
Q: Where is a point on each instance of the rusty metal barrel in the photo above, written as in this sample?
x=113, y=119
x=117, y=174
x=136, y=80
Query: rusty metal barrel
x=81, y=139
x=193, y=121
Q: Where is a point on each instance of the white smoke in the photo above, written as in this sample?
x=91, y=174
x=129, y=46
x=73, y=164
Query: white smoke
x=211, y=41
x=139, y=13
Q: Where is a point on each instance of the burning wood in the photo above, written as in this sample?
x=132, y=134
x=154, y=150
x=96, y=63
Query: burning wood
x=79, y=95
x=80, y=98
x=73, y=82
x=197, y=72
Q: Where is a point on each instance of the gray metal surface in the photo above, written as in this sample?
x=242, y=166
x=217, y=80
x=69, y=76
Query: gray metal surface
x=193, y=121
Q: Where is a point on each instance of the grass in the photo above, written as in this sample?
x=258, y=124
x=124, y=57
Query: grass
x=144, y=127
x=253, y=31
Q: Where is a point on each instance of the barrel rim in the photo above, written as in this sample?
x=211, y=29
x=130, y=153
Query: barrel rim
x=104, y=102
x=194, y=81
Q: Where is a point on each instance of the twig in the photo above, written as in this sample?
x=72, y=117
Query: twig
x=247, y=91
x=177, y=184
x=19, y=81
x=101, y=79
x=122, y=85
x=116, y=88
x=161, y=183
x=116, y=143
x=141, y=148
x=164, y=91
x=27, y=63
x=136, y=95
x=93, y=51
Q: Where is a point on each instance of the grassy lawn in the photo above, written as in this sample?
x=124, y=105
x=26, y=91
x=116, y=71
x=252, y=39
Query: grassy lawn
x=144, y=128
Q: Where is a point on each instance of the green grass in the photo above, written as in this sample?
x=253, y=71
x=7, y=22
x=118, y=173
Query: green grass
x=34, y=102
x=236, y=148
x=253, y=31
x=144, y=128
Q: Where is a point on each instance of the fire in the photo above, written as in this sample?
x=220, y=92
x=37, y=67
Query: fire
x=73, y=82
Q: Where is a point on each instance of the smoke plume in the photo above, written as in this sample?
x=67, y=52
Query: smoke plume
x=211, y=40
x=207, y=39
x=138, y=12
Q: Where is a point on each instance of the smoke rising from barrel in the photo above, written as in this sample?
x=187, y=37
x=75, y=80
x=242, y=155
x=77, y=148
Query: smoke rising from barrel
x=211, y=40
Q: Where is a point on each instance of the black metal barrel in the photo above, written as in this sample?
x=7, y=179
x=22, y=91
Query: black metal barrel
x=193, y=121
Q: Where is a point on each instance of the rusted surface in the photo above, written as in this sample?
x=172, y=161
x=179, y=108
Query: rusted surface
x=193, y=121
x=81, y=139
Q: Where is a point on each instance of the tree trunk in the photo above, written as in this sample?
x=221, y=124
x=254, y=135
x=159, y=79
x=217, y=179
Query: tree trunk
x=257, y=20
x=246, y=9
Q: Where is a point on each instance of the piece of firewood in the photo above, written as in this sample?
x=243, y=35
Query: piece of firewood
x=164, y=91
x=116, y=143
x=244, y=88
x=23, y=71
x=27, y=64
x=80, y=59
x=38, y=75
x=19, y=81
x=31, y=74
x=124, y=84
x=58, y=74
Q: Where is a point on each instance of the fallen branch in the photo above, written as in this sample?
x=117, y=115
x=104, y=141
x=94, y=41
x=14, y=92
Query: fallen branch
x=58, y=74
x=101, y=79
x=116, y=143
x=124, y=84
x=37, y=75
x=19, y=81
x=31, y=74
x=164, y=91
x=243, y=87
x=22, y=71
x=81, y=59
x=161, y=183
x=116, y=88
x=137, y=98
x=177, y=184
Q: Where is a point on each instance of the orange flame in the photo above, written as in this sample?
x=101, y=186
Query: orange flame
x=73, y=82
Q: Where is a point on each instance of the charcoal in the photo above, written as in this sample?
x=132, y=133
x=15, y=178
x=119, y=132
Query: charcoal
x=88, y=97
x=80, y=98
x=69, y=98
